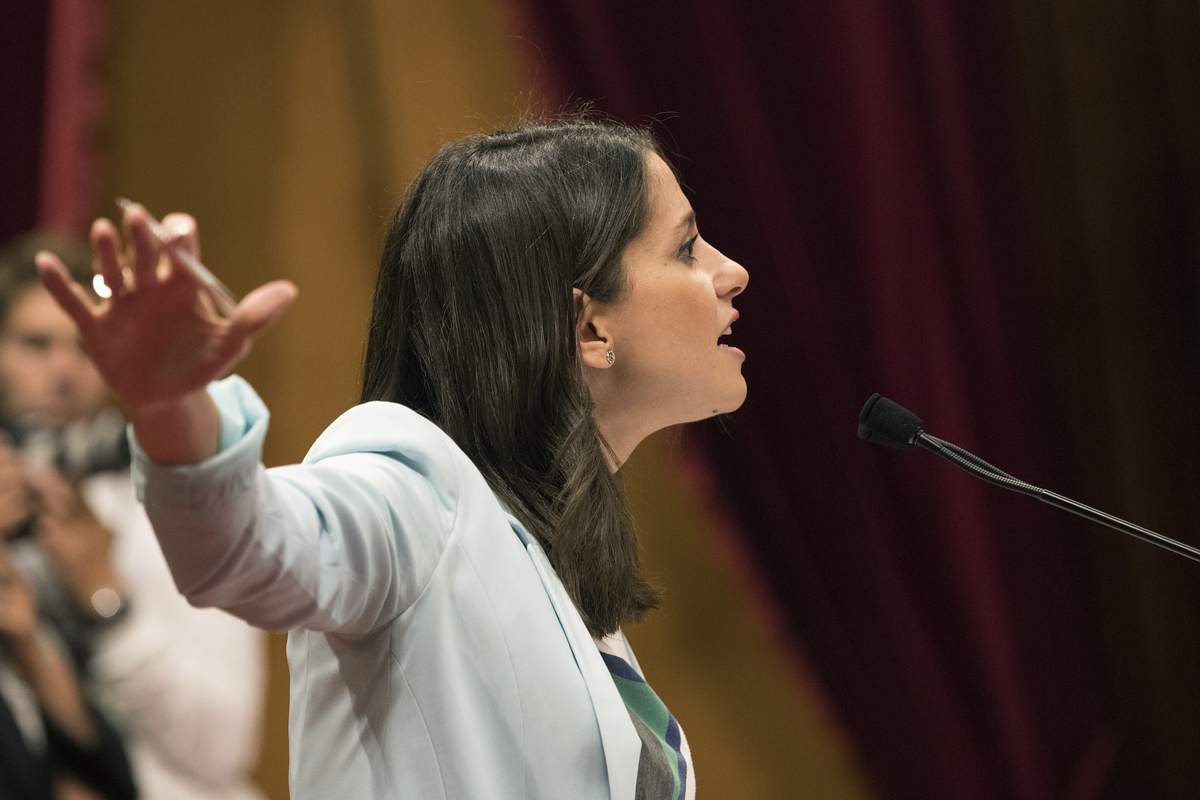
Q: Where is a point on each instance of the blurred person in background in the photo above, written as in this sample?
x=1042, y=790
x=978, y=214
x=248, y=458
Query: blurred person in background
x=185, y=684
x=53, y=743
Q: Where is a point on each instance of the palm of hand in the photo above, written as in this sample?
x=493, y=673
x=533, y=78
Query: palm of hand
x=161, y=341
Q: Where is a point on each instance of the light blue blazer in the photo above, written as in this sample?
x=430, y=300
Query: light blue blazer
x=433, y=651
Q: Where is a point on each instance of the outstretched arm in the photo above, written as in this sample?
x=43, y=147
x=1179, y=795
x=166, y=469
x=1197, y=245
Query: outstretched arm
x=343, y=542
x=159, y=340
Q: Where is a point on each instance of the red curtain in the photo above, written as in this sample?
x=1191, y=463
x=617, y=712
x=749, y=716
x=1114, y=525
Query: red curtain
x=859, y=157
x=50, y=109
x=22, y=95
x=73, y=110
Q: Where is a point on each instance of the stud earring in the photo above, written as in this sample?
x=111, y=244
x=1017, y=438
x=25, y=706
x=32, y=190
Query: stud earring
x=610, y=357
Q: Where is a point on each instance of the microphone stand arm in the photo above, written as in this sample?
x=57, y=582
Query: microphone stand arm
x=986, y=472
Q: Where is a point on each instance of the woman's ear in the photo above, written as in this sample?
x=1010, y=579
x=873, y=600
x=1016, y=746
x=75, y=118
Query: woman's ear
x=592, y=332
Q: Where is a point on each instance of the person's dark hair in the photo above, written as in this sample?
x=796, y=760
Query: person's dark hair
x=474, y=326
x=19, y=272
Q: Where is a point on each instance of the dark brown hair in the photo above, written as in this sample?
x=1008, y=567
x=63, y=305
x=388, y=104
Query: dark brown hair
x=18, y=270
x=474, y=326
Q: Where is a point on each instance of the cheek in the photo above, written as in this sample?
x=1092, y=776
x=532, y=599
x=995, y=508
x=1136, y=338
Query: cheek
x=20, y=373
x=677, y=335
x=94, y=388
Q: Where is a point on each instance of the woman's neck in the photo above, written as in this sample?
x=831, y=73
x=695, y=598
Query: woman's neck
x=623, y=434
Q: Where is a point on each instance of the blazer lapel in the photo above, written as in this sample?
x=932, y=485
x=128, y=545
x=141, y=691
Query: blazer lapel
x=622, y=745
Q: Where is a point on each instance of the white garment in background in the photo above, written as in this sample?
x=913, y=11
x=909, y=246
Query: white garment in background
x=187, y=683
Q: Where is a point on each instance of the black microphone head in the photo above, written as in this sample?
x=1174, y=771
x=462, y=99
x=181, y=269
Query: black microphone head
x=888, y=423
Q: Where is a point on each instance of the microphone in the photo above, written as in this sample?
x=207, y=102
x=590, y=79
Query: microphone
x=890, y=424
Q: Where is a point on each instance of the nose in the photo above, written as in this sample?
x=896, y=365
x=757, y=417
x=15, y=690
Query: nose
x=731, y=277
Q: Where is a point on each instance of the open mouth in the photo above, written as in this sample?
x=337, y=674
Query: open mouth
x=728, y=329
x=728, y=347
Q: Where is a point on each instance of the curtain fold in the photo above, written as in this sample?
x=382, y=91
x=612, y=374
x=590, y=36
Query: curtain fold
x=23, y=28
x=1112, y=137
x=74, y=106
x=51, y=103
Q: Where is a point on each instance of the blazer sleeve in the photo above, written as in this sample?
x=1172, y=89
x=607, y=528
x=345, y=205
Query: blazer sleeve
x=344, y=541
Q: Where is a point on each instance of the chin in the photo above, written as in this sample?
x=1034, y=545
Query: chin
x=737, y=394
x=736, y=402
x=726, y=402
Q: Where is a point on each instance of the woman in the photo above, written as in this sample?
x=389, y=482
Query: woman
x=453, y=563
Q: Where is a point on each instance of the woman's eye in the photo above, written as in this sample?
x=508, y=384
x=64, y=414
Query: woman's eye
x=688, y=246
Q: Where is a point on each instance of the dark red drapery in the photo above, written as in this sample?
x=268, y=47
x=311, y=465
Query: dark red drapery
x=22, y=96
x=859, y=158
x=51, y=102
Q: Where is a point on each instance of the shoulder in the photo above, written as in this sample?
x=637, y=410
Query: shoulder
x=395, y=432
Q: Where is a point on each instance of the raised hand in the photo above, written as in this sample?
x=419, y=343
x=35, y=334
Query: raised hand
x=158, y=337
x=159, y=340
x=77, y=544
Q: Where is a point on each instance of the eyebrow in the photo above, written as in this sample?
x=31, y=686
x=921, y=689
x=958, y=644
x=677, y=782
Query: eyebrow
x=688, y=220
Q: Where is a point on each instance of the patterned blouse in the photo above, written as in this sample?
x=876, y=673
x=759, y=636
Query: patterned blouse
x=665, y=767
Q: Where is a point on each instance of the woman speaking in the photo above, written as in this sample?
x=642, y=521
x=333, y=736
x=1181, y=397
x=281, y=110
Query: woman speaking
x=454, y=558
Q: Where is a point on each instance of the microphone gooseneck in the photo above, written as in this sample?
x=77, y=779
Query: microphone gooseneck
x=976, y=465
x=890, y=424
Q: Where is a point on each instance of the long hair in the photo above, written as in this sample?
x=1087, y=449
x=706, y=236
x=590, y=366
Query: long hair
x=474, y=326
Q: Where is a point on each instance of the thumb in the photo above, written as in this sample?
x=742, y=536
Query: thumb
x=262, y=308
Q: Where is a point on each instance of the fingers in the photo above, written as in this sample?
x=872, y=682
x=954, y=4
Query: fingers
x=144, y=245
x=18, y=608
x=181, y=229
x=69, y=295
x=15, y=505
x=106, y=255
x=262, y=308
